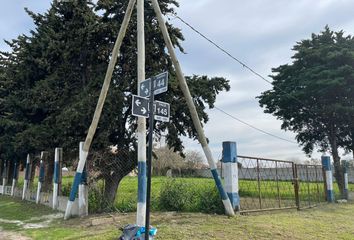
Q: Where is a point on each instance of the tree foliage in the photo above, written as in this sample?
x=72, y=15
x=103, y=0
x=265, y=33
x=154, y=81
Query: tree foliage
x=314, y=95
x=51, y=79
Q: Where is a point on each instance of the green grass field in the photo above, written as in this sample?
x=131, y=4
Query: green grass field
x=126, y=199
x=330, y=221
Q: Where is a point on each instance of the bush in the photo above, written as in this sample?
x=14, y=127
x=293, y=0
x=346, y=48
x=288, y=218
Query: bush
x=210, y=201
x=126, y=205
x=178, y=195
x=66, y=189
x=95, y=200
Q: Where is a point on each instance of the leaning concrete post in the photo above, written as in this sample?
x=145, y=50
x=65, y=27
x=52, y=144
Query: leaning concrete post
x=345, y=165
x=326, y=163
x=192, y=109
x=4, y=176
x=40, y=179
x=27, y=177
x=58, y=156
x=83, y=191
x=14, y=179
x=230, y=170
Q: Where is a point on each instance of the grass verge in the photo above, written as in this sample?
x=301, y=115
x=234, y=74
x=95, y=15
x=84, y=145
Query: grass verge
x=334, y=221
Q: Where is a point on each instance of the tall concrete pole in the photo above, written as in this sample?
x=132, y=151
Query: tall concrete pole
x=99, y=107
x=141, y=131
x=193, y=111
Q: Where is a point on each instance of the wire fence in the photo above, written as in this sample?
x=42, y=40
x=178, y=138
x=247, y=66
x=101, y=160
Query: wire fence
x=311, y=185
x=180, y=184
x=266, y=184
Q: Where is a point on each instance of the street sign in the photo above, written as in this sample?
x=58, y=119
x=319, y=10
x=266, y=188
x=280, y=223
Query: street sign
x=141, y=109
x=161, y=111
x=160, y=85
x=140, y=106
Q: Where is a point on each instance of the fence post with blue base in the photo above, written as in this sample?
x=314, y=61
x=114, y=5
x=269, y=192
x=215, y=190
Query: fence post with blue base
x=345, y=166
x=40, y=178
x=14, y=178
x=83, y=190
x=27, y=177
x=57, y=176
x=326, y=163
x=230, y=170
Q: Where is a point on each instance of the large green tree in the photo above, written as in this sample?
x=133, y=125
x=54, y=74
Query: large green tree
x=57, y=72
x=313, y=95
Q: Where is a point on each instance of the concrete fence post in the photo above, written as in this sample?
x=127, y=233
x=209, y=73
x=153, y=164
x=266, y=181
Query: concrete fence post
x=58, y=156
x=345, y=165
x=27, y=177
x=14, y=178
x=40, y=178
x=326, y=163
x=230, y=170
x=83, y=190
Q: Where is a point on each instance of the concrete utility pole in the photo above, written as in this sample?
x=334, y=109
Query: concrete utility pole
x=192, y=109
x=99, y=107
x=141, y=131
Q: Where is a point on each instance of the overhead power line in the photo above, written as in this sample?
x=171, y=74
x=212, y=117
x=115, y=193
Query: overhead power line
x=248, y=68
x=251, y=126
x=244, y=65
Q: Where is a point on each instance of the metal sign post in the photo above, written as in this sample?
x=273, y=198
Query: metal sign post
x=149, y=160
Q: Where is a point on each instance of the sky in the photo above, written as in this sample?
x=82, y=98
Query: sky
x=260, y=33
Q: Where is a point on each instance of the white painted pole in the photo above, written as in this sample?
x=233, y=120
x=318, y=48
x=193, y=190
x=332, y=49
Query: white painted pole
x=39, y=179
x=141, y=131
x=13, y=187
x=83, y=197
x=25, y=182
x=99, y=107
x=57, y=170
x=197, y=124
x=38, y=192
x=3, y=185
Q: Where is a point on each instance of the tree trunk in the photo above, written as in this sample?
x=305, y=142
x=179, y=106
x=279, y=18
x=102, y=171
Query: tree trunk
x=123, y=164
x=338, y=170
x=110, y=189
